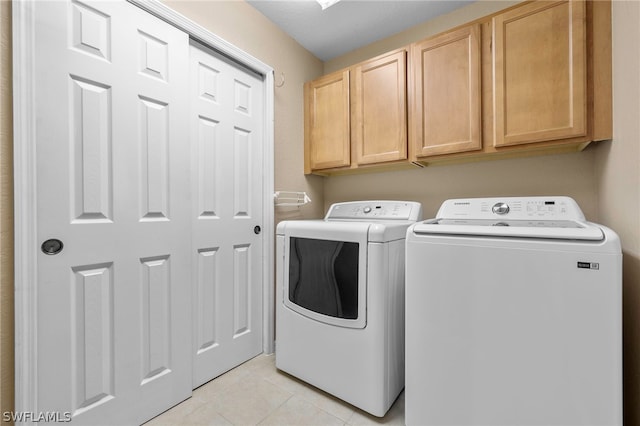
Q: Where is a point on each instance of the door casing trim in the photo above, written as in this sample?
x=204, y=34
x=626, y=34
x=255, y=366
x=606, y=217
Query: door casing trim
x=25, y=201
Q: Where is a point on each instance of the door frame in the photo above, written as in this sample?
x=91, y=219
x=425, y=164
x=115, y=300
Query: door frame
x=25, y=200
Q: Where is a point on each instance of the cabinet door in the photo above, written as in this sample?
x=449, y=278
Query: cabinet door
x=445, y=117
x=379, y=109
x=540, y=73
x=327, y=115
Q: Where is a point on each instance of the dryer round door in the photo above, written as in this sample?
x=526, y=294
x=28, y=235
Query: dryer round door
x=325, y=275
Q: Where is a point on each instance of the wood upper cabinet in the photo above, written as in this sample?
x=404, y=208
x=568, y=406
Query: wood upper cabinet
x=445, y=115
x=540, y=63
x=327, y=123
x=357, y=116
x=379, y=109
x=532, y=79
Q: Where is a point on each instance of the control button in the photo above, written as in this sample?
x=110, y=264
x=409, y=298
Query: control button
x=367, y=209
x=500, y=208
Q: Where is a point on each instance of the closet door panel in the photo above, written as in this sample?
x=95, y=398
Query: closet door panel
x=113, y=276
x=227, y=161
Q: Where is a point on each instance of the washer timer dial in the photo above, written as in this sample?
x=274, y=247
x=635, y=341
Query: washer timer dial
x=500, y=208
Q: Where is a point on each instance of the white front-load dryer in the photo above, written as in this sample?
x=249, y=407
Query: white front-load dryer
x=513, y=316
x=340, y=301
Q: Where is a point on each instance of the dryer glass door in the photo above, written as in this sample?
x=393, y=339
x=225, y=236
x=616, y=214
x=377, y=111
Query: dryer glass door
x=326, y=275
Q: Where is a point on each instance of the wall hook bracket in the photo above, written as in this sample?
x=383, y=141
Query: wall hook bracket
x=290, y=199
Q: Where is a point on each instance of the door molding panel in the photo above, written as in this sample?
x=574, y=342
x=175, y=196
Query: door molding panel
x=25, y=204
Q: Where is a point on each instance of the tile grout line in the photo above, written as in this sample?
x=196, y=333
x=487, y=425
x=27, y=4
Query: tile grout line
x=316, y=390
x=275, y=409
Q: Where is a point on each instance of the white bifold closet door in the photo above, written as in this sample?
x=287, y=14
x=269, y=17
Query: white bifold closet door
x=149, y=202
x=227, y=117
x=113, y=186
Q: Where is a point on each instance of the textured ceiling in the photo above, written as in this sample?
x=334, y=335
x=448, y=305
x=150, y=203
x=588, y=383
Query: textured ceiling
x=349, y=24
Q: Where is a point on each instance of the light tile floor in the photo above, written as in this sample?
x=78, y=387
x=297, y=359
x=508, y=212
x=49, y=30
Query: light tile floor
x=256, y=393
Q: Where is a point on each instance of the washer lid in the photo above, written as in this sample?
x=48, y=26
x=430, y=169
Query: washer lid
x=554, y=229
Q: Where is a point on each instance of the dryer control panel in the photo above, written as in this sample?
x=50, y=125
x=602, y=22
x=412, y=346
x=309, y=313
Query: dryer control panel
x=513, y=208
x=375, y=210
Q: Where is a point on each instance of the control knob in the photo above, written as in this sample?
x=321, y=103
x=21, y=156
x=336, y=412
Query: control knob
x=500, y=208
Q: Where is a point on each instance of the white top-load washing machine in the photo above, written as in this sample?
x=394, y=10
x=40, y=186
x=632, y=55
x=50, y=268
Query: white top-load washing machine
x=513, y=316
x=340, y=300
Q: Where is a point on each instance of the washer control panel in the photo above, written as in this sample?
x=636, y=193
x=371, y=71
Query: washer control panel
x=376, y=210
x=513, y=208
